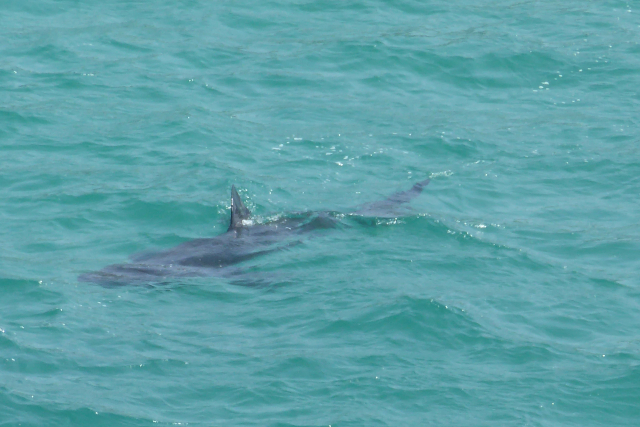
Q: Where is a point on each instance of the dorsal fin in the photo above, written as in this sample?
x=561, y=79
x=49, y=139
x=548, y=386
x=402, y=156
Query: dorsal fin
x=239, y=211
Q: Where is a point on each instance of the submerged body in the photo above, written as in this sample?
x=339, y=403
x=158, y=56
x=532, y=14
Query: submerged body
x=243, y=241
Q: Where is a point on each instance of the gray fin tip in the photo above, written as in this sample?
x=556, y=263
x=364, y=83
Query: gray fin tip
x=239, y=211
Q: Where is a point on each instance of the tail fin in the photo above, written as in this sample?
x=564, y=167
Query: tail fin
x=239, y=211
x=389, y=206
x=406, y=196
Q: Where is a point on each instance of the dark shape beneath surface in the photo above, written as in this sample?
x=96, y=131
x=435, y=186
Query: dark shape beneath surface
x=243, y=241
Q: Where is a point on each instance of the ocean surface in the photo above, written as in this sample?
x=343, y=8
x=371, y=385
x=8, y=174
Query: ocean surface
x=507, y=295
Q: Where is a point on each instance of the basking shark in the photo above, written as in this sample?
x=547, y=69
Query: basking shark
x=244, y=240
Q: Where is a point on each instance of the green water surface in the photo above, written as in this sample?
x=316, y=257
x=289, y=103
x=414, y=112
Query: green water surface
x=508, y=295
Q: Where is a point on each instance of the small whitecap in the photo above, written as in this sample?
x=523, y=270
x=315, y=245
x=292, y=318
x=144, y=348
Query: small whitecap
x=444, y=173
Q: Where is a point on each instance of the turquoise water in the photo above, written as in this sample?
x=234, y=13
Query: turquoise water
x=508, y=296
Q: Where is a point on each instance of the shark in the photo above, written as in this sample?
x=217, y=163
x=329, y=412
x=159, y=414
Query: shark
x=245, y=239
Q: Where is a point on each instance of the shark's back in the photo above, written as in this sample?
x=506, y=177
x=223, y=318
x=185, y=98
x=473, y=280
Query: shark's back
x=243, y=241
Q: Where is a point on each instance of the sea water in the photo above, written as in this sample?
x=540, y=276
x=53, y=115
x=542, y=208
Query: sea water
x=507, y=296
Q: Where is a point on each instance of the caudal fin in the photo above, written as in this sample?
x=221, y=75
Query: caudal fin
x=389, y=206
